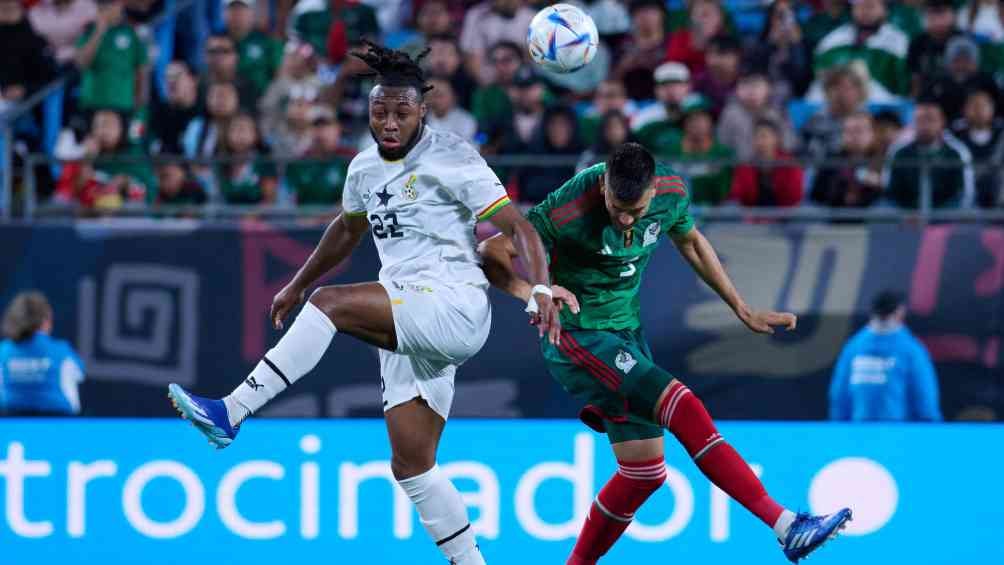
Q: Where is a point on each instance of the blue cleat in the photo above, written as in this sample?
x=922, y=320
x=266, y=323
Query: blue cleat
x=808, y=533
x=209, y=416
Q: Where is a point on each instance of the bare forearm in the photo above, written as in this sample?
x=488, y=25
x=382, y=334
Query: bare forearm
x=697, y=250
x=497, y=263
x=336, y=244
x=527, y=244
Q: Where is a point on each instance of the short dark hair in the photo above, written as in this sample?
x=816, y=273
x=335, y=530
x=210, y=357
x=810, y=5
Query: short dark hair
x=636, y=5
x=769, y=124
x=888, y=117
x=510, y=45
x=630, y=169
x=886, y=302
x=725, y=43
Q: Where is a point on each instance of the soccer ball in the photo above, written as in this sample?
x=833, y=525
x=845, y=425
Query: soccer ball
x=562, y=38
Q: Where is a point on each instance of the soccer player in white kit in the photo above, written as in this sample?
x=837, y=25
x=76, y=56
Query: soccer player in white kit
x=421, y=192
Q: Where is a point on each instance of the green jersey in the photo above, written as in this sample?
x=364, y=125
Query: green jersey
x=590, y=257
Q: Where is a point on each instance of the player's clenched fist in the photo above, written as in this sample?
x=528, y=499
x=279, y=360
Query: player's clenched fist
x=764, y=322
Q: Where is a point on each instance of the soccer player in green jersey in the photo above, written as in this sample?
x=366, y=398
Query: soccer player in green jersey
x=600, y=229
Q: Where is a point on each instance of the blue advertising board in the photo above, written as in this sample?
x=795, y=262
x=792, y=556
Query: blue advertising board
x=151, y=492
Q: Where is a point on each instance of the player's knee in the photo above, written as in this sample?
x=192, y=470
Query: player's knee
x=410, y=464
x=327, y=299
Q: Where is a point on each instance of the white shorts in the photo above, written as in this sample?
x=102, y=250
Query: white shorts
x=438, y=327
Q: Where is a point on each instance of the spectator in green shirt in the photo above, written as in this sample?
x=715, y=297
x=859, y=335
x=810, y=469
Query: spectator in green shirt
x=177, y=186
x=258, y=55
x=222, y=66
x=331, y=26
x=319, y=177
x=710, y=182
x=245, y=177
x=490, y=104
x=112, y=59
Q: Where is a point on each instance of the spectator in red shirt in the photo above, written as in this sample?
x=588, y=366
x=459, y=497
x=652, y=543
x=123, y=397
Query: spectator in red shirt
x=762, y=183
x=688, y=45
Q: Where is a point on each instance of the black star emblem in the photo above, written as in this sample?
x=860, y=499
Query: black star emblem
x=384, y=196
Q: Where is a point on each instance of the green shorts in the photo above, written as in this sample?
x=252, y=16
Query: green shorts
x=613, y=373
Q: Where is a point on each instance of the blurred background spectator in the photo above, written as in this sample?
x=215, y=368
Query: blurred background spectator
x=782, y=53
x=445, y=115
x=556, y=135
x=488, y=23
x=176, y=186
x=750, y=105
x=932, y=157
x=982, y=18
x=25, y=65
x=332, y=26
x=688, y=45
x=852, y=175
x=962, y=76
x=845, y=94
x=221, y=66
x=445, y=60
x=614, y=129
x=610, y=96
x=39, y=375
x=169, y=118
x=926, y=55
x=61, y=22
x=704, y=162
x=980, y=129
x=718, y=80
x=644, y=50
x=884, y=373
x=492, y=105
x=318, y=178
x=245, y=176
x=660, y=125
x=765, y=181
x=112, y=59
x=202, y=135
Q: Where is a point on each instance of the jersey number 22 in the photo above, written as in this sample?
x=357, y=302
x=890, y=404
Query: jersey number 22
x=386, y=226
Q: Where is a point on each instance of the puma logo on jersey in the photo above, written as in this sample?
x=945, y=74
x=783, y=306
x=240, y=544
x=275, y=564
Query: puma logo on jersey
x=253, y=383
x=625, y=361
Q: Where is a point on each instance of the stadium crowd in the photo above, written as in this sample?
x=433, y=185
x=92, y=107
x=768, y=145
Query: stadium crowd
x=825, y=102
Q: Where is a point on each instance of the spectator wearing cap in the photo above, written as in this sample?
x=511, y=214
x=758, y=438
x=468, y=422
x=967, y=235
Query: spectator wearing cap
x=258, y=55
x=762, y=181
x=491, y=103
x=444, y=114
x=221, y=66
x=331, y=26
x=555, y=135
x=112, y=59
x=24, y=62
x=983, y=19
x=61, y=22
x=782, y=53
x=298, y=74
x=699, y=157
x=845, y=94
x=610, y=96
x=41, y=374
x=170, y=117
x=718, y=81
x=688, y=45
x=926, y=56
x=528, y=96
x=962, y=76
x=673, y=94
x=930, y=162
x=884, y=373
x=644, y=50
x=446, y=61
x=319, y=177
x=751, y=104
x=487, y=24
x=177, y=187
x=981, y=130
x=870, y=42
x=852, y=176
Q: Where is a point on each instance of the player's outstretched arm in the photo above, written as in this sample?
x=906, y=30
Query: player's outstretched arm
x=697, y=250
x=341, y=237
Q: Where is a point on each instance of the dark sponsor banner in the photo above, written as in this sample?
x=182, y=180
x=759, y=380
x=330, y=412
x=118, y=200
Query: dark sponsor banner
x=149, y=304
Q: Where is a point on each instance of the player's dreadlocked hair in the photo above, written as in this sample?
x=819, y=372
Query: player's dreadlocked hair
x=393, y=67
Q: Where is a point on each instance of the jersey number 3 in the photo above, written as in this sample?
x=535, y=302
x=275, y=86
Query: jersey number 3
x=385, y=226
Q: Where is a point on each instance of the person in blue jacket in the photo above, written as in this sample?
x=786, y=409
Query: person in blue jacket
x=39, y=375
x=884, y=373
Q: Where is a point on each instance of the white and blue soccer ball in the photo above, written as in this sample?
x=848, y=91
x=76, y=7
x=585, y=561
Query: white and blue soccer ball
x=562, y=38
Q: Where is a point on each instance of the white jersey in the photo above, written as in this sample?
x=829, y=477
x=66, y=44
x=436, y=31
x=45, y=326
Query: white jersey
x=422, y=209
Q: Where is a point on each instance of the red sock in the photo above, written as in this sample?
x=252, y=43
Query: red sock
x=615, y=506
x=684, y=415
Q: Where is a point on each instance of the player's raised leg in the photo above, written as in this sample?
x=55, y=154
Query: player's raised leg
x=360, y=310
x=683, y=414
x=641, y=470
x=414, y=429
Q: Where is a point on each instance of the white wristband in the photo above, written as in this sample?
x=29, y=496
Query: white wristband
x=531, y=304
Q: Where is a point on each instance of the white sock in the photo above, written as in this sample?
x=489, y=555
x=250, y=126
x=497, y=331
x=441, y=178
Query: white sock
x=784, y=522
x=444, y=516
x=297, y=352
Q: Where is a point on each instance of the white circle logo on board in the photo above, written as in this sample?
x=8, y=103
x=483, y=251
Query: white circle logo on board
x=862, y=484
